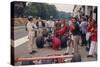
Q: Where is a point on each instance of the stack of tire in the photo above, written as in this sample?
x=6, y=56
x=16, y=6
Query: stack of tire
x=40, y=39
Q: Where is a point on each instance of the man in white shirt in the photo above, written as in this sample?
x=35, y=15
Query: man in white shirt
x=40, y=26
x=50, y=25
x=31, y=34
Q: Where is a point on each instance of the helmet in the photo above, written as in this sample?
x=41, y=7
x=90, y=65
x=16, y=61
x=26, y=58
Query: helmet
x=30, y=18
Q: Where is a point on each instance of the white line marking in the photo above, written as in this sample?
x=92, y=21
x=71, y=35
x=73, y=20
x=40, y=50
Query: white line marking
x=20, y=41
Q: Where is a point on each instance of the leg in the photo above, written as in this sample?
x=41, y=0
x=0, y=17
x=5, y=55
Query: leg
x=91, y=49
x=30, y=44
x=76, y=57
x=83, y=39
x=75, y=40
x=68, y=47
x=88, y=34
x=95, y=49
x=72, y=46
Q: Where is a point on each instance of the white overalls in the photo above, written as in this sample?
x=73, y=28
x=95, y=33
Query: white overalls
x=31, y=35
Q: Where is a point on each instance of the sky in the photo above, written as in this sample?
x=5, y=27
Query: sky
x=64, y=7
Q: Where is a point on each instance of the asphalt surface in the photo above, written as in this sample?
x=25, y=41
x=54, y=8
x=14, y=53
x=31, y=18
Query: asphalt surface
x=19, y=32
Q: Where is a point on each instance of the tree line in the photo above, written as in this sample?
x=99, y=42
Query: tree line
x=42, y=10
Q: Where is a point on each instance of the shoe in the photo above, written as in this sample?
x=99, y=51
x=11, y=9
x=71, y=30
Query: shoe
x=66, y=53
x=72, y=53
x=30, y=52
x=87, y=49
x=33, y=51
x=90, y=56
x=82, y=45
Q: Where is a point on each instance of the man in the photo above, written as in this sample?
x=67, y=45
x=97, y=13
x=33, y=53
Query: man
x=50, y=29
x=50, y=25
x=31, y=34
x=88, y=33
x=39, y=24
x=70, y=40
x=83, y=26
x=75, y=30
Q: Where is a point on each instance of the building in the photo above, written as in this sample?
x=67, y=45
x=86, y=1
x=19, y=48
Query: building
x=82, y=10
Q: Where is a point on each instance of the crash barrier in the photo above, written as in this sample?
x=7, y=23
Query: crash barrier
x=55, y=58
x=42, y=58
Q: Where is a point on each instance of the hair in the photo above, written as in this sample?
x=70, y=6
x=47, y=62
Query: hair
x=74, y=18
x=95, y=24
x=30, y=19
x=84, y=19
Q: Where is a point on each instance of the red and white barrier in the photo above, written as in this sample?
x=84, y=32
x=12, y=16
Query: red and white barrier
x=42, y=58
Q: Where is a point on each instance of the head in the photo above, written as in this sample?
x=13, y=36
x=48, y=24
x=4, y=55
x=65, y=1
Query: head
x=39, y=19
x=73, y=19
x=34, y=20
x=92, y=22
x=83, y=18
x=64, y=20
x=30, y=18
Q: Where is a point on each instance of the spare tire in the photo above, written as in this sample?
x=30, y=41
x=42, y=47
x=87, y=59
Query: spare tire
x=40, y=42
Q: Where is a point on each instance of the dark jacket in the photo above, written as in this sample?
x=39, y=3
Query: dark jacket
x=76, y=31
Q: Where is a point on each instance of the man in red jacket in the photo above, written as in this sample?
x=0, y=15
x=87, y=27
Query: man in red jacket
x=93, y=47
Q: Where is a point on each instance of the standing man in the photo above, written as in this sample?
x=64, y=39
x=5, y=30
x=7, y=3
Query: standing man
x=31, y=34
x=88, y=33
x=83, y=27
x=75, y=29
x=40, y=26
x=50, y=25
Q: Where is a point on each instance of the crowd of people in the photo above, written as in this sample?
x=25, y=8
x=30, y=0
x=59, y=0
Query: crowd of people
x=84, y=33
x=77, y=32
